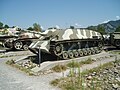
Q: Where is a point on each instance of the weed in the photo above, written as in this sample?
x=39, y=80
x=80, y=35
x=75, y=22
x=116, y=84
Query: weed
x=10, y=62
x=55, y=82
x=73, y=64
x=59, y=68
x=88, y=61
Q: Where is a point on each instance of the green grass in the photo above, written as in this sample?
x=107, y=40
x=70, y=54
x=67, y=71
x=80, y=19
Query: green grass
x=59, y=68
x=6, y=56
x=10, y=62
x=74, y=64
x=115, y=52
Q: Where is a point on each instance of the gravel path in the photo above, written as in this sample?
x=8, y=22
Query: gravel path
x=14, y=79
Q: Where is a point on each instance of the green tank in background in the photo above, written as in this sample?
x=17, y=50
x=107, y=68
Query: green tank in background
x=115, y=39
x=68, y=43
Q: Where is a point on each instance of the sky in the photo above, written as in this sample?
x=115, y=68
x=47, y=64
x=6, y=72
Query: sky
x=60, y=13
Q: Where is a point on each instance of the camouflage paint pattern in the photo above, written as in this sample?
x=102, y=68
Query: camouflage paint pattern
x=62, y=35
x=69, y=34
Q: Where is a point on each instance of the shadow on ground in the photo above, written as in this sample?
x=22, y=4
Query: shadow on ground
x=44, y=57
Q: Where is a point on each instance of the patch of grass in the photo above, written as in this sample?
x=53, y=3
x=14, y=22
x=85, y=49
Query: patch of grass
x=7, y=56
x=115, y=52
x=59, y=68
x=10, y=62
x=55, y=82
x=88, y=61
x=74, y=64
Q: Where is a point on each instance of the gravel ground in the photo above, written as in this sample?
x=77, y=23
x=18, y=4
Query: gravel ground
x=14, y=79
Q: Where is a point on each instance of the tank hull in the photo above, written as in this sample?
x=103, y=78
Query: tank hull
x=68, y=43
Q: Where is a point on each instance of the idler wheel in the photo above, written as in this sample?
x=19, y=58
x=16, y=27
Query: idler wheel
x=80, y=52
x=76, y=53
x=71, y=54
x=18, y=45
x=65, y=55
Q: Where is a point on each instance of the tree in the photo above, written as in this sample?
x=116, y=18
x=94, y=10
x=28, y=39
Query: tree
x=92, y=28
x=1, y=25
x=30, y=28
x=101, y=29
x=117, y=29
x=37, y=27
x=6, y=26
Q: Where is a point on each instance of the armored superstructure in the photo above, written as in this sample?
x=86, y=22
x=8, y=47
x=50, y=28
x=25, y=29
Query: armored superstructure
x=68, y=43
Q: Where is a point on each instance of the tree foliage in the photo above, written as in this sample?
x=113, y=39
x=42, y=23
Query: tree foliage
x=118, y=29
x=37, y=27
x=30, y=28
x=101, y=29
x=1, y=25
x=92, y=28
x=6, y=26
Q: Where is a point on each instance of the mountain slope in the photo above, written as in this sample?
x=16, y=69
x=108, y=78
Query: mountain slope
x=109, y=26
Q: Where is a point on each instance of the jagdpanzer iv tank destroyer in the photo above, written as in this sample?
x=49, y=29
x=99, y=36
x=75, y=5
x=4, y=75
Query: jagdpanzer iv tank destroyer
x=68, y=43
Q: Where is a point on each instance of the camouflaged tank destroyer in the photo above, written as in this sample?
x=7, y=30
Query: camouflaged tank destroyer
x=68, y=43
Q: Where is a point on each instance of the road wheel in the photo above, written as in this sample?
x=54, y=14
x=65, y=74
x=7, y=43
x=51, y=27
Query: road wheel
x=80, y=52
x=71, y=54
x=25, y=47
x=89, y=51
x=100, y=44
x=76, y=53
x=85, y=52
x=18, y=45
x=65, y=55
x=92, y=51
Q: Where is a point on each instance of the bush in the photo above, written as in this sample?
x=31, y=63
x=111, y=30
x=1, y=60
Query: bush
x=59, y=68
